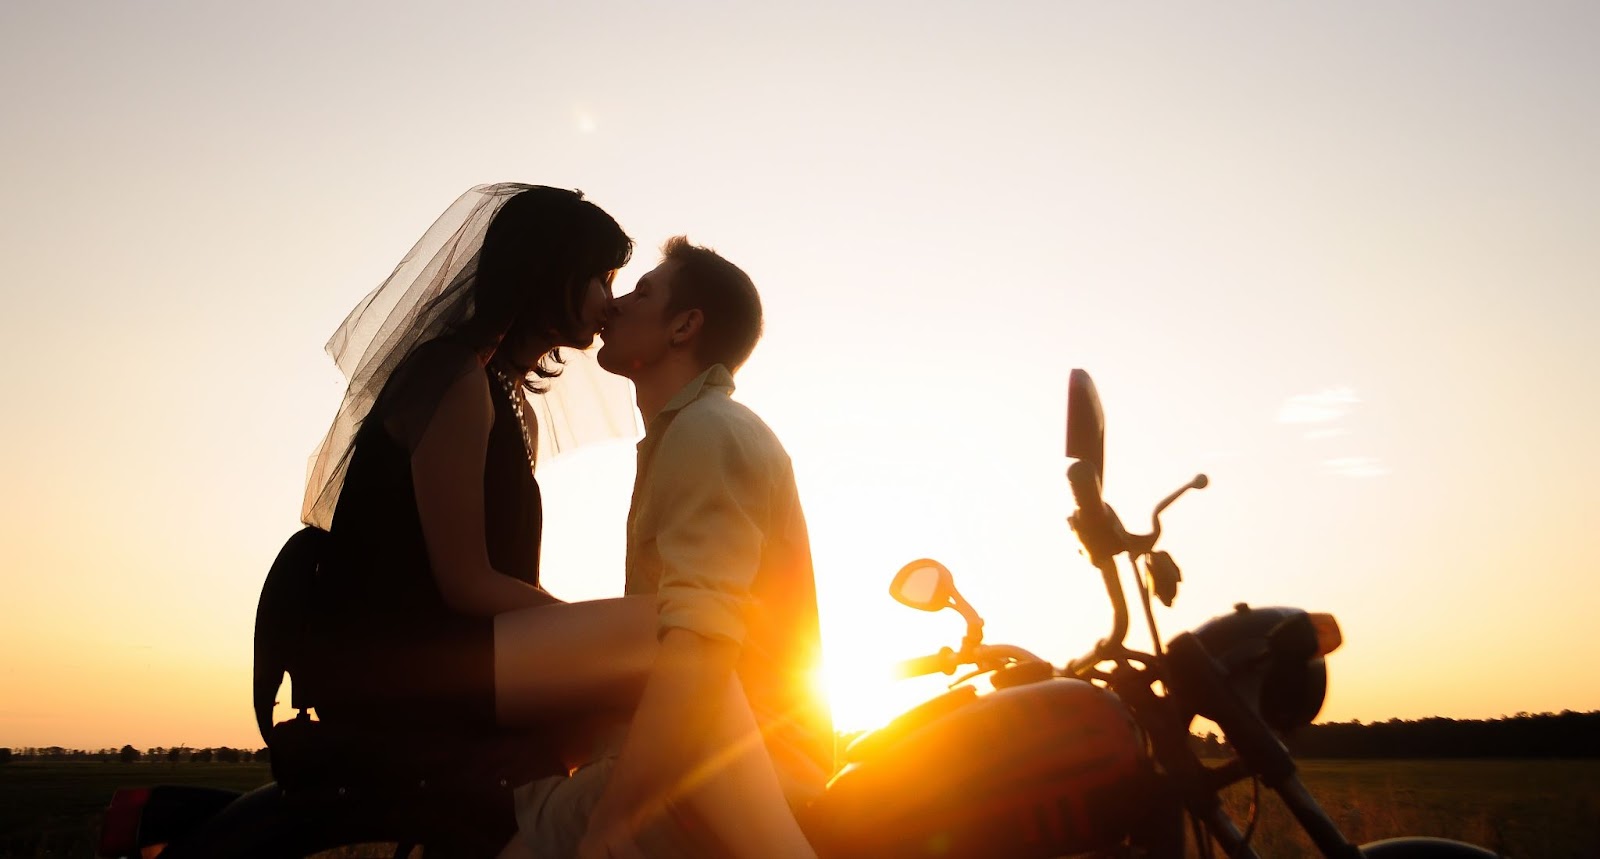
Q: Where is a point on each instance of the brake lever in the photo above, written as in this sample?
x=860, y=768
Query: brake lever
x=1144, y=544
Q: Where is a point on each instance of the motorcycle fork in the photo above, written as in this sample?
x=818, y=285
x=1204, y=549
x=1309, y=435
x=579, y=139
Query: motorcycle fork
x=1160, y=833
x=1197, y=678
x=1195, y=785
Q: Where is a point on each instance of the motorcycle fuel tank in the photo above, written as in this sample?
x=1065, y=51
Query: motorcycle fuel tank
x=1035, y=770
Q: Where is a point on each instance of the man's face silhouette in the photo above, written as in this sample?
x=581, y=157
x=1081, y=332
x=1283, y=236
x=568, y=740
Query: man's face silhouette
x=638, y=332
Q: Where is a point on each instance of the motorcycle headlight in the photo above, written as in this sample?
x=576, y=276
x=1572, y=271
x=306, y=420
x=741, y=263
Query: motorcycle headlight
x=1292, y=694
x=1274, y=659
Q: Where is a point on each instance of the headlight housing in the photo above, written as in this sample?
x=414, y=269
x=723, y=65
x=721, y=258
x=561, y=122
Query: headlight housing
x=1273, y=658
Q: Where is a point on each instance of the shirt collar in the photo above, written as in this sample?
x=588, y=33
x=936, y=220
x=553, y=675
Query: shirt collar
x=716, y=378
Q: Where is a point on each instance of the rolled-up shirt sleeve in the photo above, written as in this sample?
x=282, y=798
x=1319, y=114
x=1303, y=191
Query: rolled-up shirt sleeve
x=709, y=495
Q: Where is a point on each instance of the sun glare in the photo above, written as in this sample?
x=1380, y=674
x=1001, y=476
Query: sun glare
x=867, y=695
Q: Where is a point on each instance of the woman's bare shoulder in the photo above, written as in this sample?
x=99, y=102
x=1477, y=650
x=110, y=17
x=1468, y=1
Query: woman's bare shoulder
x=434, y=372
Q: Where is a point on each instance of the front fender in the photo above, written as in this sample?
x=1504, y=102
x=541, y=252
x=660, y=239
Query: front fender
x=1415, y=847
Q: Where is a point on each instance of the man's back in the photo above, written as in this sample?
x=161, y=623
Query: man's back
x=717, y=533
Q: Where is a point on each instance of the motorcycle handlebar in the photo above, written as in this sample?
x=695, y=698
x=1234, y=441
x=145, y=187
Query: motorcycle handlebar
x=943, y=662
x=985, y=656
x=1102, y=536
x=1085, y=482
x=1093, y=521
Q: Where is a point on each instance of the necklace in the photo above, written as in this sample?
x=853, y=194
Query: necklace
x=529, y=445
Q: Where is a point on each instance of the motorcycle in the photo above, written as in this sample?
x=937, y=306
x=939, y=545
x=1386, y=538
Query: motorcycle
x=1094, y=757
x=1090, y=758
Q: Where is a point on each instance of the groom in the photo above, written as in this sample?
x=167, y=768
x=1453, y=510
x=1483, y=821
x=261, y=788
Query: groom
x=716, y=534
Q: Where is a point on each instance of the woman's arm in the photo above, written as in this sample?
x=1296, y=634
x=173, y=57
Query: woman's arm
x=447, y=473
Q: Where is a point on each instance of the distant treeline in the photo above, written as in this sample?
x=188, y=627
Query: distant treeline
x=129, y=754
x=1544, y=735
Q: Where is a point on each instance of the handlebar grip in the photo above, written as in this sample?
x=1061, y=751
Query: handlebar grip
x=1092, y=521
x=1085, y=483
x=942, y=662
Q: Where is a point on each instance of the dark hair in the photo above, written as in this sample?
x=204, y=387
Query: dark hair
x=538, y=255
x=724, y=295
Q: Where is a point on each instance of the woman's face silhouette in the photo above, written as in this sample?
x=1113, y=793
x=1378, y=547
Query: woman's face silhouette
x=523, y=348
x=593, y=309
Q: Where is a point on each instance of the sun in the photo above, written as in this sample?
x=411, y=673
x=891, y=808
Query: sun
x=864, y=695
x=865, y=637
x=856, y=701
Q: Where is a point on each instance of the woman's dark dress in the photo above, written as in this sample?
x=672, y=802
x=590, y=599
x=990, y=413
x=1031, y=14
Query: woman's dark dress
x=396, y=654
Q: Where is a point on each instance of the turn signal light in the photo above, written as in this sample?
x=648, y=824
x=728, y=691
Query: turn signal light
x=1328, y=636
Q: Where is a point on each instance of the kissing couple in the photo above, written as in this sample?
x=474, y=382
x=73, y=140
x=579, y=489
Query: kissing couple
x=682, y=713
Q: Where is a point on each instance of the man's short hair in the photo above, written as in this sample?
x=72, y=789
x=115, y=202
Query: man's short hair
x=723, y=294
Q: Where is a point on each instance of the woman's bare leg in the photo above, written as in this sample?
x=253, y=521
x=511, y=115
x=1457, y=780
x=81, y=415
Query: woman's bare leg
x=737, y=794
x=591, y=657
x=581, y=657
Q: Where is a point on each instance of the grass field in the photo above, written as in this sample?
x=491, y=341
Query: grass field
x=53, y=809
x=1528, y=809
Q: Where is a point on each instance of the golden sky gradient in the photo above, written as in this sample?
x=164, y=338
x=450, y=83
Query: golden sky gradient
x=1341, y=258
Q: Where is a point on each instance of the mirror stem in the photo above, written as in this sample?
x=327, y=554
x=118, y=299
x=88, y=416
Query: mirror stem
x=974, y=636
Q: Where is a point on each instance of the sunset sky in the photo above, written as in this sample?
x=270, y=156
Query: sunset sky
x=1343, y=258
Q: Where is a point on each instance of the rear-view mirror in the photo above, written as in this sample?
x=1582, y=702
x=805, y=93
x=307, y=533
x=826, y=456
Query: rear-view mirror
x=923, y=584
x=1086, y=424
